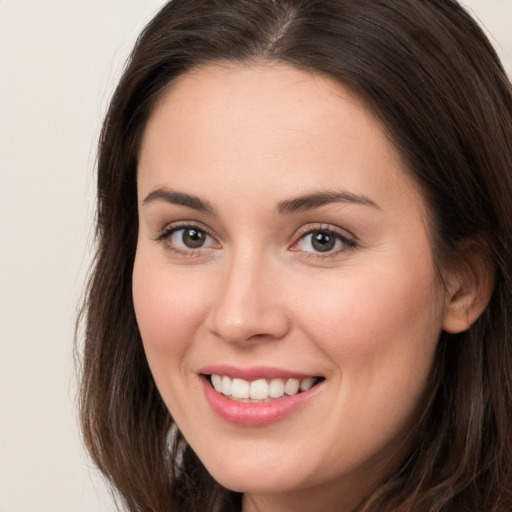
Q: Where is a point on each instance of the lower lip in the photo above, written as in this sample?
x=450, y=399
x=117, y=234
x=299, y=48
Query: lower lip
x=256, y=414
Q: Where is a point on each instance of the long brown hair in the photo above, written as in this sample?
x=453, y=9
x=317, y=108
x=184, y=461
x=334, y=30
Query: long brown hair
x=427, y=71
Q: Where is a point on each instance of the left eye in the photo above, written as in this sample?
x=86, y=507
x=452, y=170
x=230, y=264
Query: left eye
x=321, y=241
x=189, y=238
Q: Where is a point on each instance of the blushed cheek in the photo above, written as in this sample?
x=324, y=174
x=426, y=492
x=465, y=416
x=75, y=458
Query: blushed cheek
x=168, y=313
x=383, y=342
x=162, y=312
x=376, y=319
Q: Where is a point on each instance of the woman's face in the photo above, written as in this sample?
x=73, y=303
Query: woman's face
x=282, y=246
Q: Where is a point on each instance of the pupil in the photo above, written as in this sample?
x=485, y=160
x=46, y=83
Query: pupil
x=193, y=238
x=323, y=242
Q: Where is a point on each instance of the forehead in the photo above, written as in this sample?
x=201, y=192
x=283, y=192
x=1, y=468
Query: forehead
x=267, y=125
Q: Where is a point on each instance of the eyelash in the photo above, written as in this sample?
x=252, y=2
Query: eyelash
x=347, y=243
x=168, y=232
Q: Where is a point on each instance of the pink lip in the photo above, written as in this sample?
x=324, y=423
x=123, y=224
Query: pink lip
x=253, y=373
x=256, y=414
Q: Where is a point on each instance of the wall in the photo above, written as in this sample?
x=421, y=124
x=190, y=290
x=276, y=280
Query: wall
x=59, y=61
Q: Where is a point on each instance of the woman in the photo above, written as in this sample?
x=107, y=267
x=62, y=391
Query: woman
x=301, y=294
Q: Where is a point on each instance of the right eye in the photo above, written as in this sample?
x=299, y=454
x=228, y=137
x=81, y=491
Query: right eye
x=187, y=239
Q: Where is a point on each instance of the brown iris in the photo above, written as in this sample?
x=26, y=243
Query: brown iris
x=193, y=238
x=322, y=241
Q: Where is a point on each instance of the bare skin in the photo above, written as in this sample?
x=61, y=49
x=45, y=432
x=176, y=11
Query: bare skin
x=279, y=229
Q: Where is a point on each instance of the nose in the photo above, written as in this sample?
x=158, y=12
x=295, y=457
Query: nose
x=247, y=305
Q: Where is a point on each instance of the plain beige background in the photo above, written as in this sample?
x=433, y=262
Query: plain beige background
x=59, y=61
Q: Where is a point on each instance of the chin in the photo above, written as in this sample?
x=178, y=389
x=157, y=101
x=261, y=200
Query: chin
x=251, y=474
x=257, y=481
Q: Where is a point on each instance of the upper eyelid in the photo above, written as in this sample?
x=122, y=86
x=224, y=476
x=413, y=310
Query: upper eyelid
x=166, y=233
x=299, y=233
x=348, y=240
x=177, y=225
x=309, y=228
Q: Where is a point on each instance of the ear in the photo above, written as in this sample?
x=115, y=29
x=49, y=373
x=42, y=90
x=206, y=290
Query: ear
x=469, y=289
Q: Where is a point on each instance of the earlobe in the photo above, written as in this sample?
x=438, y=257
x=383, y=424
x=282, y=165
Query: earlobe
x=468, y=291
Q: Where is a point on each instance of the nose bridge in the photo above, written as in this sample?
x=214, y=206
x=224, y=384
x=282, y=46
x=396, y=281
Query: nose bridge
x=246, y=305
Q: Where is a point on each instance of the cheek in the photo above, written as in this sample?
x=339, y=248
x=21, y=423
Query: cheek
x=168, y=309
x=380, y=329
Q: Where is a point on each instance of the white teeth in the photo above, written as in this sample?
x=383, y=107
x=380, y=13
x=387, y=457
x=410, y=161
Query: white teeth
x=306, y=384
x=217, y=383
x=292, y=386
x=276, y=388
x=226, y=386
x=260, y=389
x=240, y=388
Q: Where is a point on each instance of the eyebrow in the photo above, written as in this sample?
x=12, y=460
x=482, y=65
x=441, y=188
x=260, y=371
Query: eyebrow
x=179, y=198
x=289, y=206
x=318, y=199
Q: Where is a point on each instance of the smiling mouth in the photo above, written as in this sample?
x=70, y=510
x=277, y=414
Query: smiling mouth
x=260, y=390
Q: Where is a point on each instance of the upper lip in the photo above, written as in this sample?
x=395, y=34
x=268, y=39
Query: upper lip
x=254, y=372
